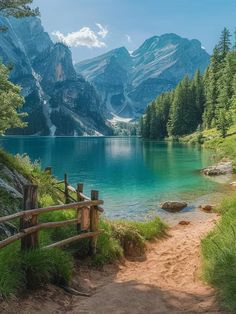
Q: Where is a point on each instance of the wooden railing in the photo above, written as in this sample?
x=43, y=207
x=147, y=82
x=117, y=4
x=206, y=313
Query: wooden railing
x=86, y=221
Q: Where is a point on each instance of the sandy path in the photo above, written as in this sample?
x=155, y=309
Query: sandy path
x=167, y=281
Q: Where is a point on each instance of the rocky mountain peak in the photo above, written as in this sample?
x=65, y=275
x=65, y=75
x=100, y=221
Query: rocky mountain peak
x=58, y=101
x=128, y=82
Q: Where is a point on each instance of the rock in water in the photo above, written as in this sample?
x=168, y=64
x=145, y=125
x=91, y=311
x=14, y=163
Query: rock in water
x=223, y=167
x=173, y=206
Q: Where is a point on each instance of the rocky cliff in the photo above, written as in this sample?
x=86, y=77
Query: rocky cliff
x=127, y=82
x=58, y=101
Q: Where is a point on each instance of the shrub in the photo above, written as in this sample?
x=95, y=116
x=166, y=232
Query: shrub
x=108, y=247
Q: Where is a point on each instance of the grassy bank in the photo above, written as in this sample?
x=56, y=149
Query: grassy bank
x=219, y=247
x=219, y=255
x=223, y=147
x=33, y=269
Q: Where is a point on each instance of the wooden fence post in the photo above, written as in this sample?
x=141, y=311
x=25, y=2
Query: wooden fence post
x=48, y=170
x=29, y=202
x=80, y=189
x=94, y=218
x=66, y=189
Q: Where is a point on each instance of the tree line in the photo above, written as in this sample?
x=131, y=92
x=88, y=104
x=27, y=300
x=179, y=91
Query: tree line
x=205, y=101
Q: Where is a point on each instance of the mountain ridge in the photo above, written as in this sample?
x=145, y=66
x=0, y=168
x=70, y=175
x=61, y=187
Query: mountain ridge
x=58, y=100
x=138, y=77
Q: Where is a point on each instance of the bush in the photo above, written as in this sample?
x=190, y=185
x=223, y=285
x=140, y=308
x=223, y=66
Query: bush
x=219, y=255
x=152, y=229
x=108, y=247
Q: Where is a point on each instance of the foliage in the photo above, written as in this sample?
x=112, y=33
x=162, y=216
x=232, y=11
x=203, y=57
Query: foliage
x=10, y=102
x=11, y=274
x=219, y=255
x=17, y=9
x=32, y=269
x=150, y=229
x=202, y=102
x=108, y=247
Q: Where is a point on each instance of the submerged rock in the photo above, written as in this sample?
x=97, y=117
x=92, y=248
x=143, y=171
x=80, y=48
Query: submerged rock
x=173, y=206
x=222, y=168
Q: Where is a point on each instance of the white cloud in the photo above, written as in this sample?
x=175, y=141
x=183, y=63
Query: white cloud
x=84, y=37
x=128, y=38
x=103, y=30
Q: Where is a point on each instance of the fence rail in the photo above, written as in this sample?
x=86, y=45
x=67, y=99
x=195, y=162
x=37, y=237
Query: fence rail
x=86, y=221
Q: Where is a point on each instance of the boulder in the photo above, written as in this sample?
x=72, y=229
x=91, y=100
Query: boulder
x=222, y=168
x=173, y=206
x=233, y=184
x=206, y=208
x=184, y=223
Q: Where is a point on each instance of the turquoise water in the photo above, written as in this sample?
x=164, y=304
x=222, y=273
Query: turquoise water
x=132, y=175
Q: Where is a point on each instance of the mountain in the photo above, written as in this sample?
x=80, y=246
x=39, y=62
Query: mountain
x=127, y=82
x=58, y=100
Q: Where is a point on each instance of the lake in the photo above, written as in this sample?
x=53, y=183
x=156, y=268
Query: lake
x=132, y=175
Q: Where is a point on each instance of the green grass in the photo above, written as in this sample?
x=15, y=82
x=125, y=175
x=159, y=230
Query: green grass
x=224, y=147
x=151, y=229
x=219, y=255
x=32, y=269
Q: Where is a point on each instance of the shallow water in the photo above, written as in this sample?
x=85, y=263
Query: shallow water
x=132, y=175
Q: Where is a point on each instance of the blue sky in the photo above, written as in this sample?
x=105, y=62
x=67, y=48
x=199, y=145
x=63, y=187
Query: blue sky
x=96, y=26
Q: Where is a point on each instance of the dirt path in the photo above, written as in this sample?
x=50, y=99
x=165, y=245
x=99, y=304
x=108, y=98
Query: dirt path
x=167, y=281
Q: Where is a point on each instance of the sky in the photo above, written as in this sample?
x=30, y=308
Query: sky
x=93, y=27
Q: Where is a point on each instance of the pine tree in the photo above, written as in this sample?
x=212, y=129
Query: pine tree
x=17, y=9
x=183, y=110
x=211, y=89
x=225, y=82
x=224, y=43
x=223, y=122
x=198, y=96
x=10, y=102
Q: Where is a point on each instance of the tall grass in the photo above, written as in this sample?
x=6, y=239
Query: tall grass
x=32, y=269
x=219, y=255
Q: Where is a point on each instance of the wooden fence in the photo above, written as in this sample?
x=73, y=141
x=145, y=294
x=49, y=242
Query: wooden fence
x=86, y=221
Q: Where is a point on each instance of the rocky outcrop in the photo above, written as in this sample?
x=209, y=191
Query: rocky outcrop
x=127, y=82
x=58, y=101
x=11, y=195
x=173, y=206
x=222, y=168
